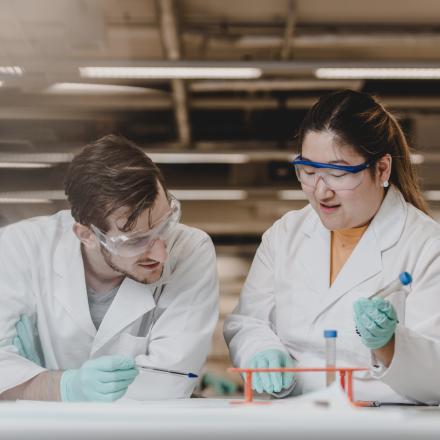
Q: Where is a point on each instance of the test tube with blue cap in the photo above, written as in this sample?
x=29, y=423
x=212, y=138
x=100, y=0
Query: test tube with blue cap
x=403, y=280
x=330, y=354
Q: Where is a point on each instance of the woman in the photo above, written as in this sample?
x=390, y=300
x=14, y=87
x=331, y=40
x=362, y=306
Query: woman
x=316, y=267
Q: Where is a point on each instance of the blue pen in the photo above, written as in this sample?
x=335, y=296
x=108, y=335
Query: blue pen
x=163, y=370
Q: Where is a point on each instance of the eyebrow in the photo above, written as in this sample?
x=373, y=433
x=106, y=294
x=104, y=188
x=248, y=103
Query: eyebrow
x=339, y=161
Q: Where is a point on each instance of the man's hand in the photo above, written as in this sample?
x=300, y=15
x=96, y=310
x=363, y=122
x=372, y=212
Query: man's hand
x=104, y=379
x=26, y=340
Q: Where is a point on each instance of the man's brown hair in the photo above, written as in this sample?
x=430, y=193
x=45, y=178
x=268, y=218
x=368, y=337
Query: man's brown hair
x=109, y=174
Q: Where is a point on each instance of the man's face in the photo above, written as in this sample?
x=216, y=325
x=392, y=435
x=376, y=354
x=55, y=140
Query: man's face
x=146, y=267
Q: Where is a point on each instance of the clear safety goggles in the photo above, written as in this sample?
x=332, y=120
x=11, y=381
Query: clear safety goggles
x=135, y=243
x=335, y=177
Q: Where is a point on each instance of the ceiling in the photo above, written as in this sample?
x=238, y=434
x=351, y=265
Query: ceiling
x=223, y=144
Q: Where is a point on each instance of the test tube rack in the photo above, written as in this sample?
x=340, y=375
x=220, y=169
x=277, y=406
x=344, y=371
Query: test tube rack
x=345, y=376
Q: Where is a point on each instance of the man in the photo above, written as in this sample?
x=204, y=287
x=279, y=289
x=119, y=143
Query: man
x=85, y=292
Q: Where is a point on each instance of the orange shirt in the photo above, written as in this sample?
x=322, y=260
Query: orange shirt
x=343, y=243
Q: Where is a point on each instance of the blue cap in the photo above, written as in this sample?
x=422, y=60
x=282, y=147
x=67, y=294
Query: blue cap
x=330, y=333
x=405, y=278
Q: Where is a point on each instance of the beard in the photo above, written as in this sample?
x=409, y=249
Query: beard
x=108, y=259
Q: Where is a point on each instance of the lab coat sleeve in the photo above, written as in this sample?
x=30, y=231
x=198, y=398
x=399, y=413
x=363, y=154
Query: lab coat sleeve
x=414, y=370
x=16, y=298
x=250, y=328
x=181, y=338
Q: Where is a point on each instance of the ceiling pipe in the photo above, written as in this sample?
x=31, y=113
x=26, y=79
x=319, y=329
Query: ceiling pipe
x=171, y=43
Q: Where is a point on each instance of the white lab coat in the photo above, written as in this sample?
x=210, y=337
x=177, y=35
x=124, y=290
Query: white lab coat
x=287, y=303
x=42, y=275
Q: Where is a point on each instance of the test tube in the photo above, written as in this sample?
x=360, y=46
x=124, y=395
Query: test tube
x=330, y=354
x=403, y=280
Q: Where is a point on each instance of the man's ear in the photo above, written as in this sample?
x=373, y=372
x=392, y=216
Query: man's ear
x=85, y=235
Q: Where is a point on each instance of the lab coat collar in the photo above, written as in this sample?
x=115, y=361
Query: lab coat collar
x=366, y=259
x=389, y=222
x=132, y=300
x=71, y=288
x=315, y=256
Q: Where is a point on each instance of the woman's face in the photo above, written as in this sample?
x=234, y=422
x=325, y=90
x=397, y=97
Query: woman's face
x=343, y=209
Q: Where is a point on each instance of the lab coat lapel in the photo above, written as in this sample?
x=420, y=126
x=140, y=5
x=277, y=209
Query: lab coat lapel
x=132, y=301
x=366, y=260
x=363, y=263
x=315, y=255
x=70, y=284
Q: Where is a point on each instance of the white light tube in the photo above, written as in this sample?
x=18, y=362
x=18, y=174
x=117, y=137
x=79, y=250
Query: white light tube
x=171, y=72
x=417, y=159
x=233, y=158
x=291, y=194
x=377, y=73
x=18, y=200
x=209, y=194
x=24, y=165
x=74, y=88
x=432, y=196
x=11, y=70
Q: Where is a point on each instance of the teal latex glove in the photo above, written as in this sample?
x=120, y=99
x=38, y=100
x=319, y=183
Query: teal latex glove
x=271, y=382
x=376, y=321
x=26, y=340
x=221, y=386
x=104, y=379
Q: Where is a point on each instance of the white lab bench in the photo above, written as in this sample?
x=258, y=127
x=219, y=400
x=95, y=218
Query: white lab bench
x=212, y=419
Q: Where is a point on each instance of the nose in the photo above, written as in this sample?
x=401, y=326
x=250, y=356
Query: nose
x=158, y=251
x=322, y=191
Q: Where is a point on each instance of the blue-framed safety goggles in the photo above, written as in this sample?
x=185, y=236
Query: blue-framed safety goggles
x=336, y=177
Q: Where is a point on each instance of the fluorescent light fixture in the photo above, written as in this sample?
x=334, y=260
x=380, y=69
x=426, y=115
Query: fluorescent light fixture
x=377, y=73
x=24, y=165
x=432, y=196
x=171, y=72
x=233, y=158
x=90, y=88
x=291, y=194
x=11, y=70
x=25, y=197
x=181, y=194
x=417, y=159
x=18, y=200
x=210, y=194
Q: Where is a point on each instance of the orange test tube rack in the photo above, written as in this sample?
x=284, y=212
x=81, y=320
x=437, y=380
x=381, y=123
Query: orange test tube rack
x=345, y=375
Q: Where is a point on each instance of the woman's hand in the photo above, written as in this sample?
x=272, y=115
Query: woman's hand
x=376, y=321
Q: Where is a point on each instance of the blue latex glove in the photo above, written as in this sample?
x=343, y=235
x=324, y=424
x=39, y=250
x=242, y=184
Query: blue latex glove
x=271, y=382
x=26, y=340
x=221, y=385
x=104, y=379
x=376, y=321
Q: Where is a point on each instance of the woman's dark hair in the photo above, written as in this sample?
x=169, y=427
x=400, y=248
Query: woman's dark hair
x=109, y=174
x=360, y=121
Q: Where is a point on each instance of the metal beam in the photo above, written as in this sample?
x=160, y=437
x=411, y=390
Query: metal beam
x=171, y=43
x=207, y=86
x=289, y=31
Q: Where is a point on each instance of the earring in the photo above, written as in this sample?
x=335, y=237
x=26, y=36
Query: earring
x=386, y=184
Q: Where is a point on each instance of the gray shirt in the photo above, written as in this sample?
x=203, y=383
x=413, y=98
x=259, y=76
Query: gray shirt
x=99, y=303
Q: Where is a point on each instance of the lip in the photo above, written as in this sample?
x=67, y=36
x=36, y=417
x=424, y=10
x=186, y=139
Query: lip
x=328, y=209
x=150, y=266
